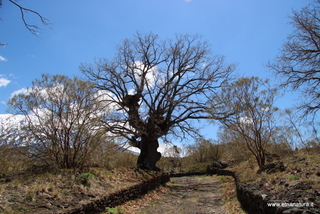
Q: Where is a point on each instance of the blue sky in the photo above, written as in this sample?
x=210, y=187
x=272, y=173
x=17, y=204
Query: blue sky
x=246, y=32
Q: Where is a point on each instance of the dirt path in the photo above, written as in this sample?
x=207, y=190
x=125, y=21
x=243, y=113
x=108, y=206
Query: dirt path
x=189, y=195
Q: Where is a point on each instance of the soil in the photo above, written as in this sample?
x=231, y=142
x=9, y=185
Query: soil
x=198, y=194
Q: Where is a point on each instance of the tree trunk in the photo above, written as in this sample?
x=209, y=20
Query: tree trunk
x=149, y=155
x=261, y=158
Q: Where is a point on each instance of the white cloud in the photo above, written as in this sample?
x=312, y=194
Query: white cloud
x=246, y=120
x=3, y=59
x=20, y=91
x=40, y=91
x=150, y=76
x=163, y=147
x=4, y=82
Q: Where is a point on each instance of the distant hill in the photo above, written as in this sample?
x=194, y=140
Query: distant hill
x=13, y=124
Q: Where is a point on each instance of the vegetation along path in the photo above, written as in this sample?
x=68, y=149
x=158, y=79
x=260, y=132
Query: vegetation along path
x=198, y=194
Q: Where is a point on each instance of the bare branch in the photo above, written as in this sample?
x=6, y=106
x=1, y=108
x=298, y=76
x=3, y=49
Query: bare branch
x=298, y=63
x=34, y=29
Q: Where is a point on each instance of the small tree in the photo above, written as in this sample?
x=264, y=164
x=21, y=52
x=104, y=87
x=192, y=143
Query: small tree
x=157, y=88
x=303, y=129
x=299, y=60
x=232, y=145
x=173, y=155
x=251, y=101
x=63, y=116
x=203, y=151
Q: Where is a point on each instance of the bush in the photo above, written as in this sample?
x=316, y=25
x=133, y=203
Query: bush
x=85, y=178
x=13, y=160
x=198, y=167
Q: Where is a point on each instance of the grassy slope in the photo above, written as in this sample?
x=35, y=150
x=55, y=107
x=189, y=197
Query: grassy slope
x=59, y=190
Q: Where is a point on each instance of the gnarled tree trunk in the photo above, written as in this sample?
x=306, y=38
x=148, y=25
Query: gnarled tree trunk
x=148, y=153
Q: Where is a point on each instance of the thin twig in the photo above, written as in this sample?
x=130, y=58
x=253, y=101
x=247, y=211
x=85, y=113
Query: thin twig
x=32, y=28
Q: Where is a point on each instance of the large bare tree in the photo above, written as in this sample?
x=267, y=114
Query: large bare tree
x=158, y=88
x=299, y=60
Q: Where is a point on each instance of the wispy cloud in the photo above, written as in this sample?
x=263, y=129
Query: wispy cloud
x=2, y=59
x=187, y=0
x=20, y=91
x=4, y=82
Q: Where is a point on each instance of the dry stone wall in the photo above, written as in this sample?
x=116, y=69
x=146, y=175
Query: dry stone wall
x=120, y=197
x=253, y=201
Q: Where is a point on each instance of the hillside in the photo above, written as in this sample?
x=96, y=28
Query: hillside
x=41, y=190
x=290, y=182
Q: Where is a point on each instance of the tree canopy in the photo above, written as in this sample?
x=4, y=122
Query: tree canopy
x=64, y=119
x=251, y=102
x=299, y=59
x=157, y=87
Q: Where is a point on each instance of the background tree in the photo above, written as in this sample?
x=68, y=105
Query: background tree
x=157, y=88
x=302, y=129
x=204, y=151
x=283, y=140
x=232, y=146
x=251, y=100
x=63, y=117
x=172, y=160
x=299, y=61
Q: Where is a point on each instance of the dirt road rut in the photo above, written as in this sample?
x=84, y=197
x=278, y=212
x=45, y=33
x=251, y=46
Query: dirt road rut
x=189, y=195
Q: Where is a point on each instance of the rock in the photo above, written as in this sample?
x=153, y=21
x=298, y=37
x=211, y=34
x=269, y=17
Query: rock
x=220, y=164
x=271, y=157
x=293, y=211
x=264, y=196
x=4, y=178
x=272, y=168
x=216, y=167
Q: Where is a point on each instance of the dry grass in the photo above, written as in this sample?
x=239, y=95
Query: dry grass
x=64, y=188
x=301, y=168
x=246, y=170
x=134, y=206
x=231, y=203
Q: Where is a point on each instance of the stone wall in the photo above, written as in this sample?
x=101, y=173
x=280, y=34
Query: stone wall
x=253, y=201
x=182, y=174
x=120, y=197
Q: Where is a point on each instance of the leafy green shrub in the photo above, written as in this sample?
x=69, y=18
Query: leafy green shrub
x=85, y=178
x=114, y=210
x=29, y=197
x=294, y=177
x=86, y=175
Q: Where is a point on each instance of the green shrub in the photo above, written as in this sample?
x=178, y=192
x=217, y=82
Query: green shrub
x=86, y=175
x=294, y=177
x=85, y=178
x=114, y=210
x=29, y=197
